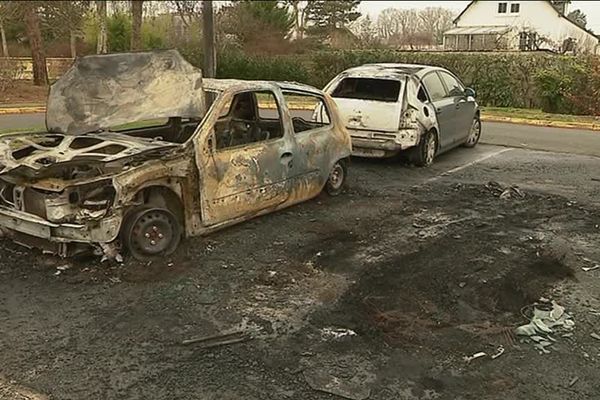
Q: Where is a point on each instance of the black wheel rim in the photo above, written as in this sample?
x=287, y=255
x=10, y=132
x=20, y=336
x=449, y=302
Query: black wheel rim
x=153, y=232
x=336, y=177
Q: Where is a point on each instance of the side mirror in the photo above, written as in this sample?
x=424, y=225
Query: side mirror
x=470, y=92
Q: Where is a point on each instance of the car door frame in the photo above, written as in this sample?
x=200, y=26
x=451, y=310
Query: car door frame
x=312, y=163
x=464, y=107
x=444, y=109
x=237, y=187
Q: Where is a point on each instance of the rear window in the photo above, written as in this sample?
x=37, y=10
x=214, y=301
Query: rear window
x=368, y=89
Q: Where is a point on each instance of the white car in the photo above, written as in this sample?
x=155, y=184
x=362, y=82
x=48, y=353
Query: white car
x=389, y=108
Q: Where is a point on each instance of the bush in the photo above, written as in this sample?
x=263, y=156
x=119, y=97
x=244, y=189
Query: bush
x=561, y=84
x=118, y=28
x=240, y=66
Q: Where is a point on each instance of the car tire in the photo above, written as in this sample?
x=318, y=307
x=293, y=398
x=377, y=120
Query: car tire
x=150, y=233
x=424, y=153
x=474, y=133
x=336, y=181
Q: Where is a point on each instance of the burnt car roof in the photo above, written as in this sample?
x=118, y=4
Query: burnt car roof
x=237, y=84
x=391, y=70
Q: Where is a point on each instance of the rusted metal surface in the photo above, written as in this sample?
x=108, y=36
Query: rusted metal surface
x=102, y=91
x=81, y=187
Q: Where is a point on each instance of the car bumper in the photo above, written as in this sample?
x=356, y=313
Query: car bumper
x=378, y=145
x=101, y=231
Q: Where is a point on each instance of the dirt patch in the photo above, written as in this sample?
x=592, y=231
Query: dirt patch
x=23, y=92
x=424, y=276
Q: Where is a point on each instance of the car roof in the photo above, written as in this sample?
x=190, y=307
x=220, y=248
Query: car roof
x=391, y=70
x=237, y=84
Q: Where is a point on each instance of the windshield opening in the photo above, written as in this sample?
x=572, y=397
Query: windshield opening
x=387, y=90
x=173, y=129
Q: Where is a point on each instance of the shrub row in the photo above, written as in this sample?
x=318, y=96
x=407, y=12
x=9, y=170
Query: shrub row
x=559, y=84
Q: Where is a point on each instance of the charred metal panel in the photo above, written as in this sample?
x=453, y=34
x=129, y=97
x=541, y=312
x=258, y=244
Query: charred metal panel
x=102, y=91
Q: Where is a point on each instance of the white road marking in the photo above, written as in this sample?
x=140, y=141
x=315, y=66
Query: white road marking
x=461, y=167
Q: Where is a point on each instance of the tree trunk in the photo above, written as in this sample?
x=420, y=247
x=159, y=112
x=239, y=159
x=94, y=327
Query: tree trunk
x=32, y=27
x=102, y=44
x=137, y=11
x=208, y=30
x=3, y=35
x=73, y=43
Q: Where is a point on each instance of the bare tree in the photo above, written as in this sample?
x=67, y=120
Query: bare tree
x=299, y=16
x=102, y=43
x=137, y=11
x=435, y=21
x=187, y=10
x=65, y=18
x=366, y=31
x=409, y=27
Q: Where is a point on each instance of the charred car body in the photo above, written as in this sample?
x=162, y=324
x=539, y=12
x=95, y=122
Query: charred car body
x=388, y=108
x=189, y=173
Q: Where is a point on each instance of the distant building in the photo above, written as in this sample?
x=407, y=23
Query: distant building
x=519, y=25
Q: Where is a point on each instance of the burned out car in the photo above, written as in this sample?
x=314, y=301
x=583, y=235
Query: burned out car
x=181, y=169
x=389, y=108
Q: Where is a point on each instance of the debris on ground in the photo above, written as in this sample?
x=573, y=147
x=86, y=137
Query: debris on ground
x=110, y=252
x=505, y=192
x=220, y=339
x=336, y=333
x=475, y=356
x=595, y=335
x=547, y=317
x=499, y=352
x=63, y=267
x=587, y=269
x=327, y=383
x=573, y=381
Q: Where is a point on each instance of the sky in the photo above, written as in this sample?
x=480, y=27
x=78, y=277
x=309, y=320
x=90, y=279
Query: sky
x=374, y=7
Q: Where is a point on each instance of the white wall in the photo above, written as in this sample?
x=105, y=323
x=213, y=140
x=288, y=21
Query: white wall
x=537, y=16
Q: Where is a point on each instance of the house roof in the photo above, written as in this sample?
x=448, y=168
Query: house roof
x=545, y=1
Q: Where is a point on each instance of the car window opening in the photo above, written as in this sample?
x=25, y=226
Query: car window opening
x=308, y=112
x=173, y=129
x=387, y=90
x=250, y=117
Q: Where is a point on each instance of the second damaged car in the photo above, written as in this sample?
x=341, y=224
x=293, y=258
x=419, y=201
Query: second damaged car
x=392, y=108
x=101, y=178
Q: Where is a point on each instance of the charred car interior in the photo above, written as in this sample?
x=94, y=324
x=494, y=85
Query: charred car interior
x=132, y=159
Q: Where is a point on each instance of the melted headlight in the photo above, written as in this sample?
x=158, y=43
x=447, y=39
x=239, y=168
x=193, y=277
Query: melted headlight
x=80, y=203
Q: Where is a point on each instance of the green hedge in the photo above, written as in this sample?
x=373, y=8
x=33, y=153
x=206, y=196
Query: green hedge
x=522, y=80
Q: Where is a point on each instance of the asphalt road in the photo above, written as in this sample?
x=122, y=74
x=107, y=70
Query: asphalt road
x=575, y=141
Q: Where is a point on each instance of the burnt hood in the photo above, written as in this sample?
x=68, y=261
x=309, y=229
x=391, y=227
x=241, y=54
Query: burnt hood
x=103, y=91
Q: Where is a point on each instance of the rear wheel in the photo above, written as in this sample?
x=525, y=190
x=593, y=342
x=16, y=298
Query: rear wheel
x=337, y=178
x=474, y=133
x=150, y=233
x=424, y=153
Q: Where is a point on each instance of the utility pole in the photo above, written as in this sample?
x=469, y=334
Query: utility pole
x=208, y=31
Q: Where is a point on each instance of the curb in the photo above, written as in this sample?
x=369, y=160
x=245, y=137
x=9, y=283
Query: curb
x=543, y=123
x=484, y=117
x=23, y=110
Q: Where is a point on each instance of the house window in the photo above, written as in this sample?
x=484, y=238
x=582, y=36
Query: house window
x=515, y=8
x=502, y=8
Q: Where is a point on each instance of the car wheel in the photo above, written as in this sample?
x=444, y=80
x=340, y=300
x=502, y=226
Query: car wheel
x=149, y=233
x=474, y=133
x=424, y=153
x=337, y=178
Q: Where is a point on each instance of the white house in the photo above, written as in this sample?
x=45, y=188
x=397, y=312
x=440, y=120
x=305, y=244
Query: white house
x=518, y=25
